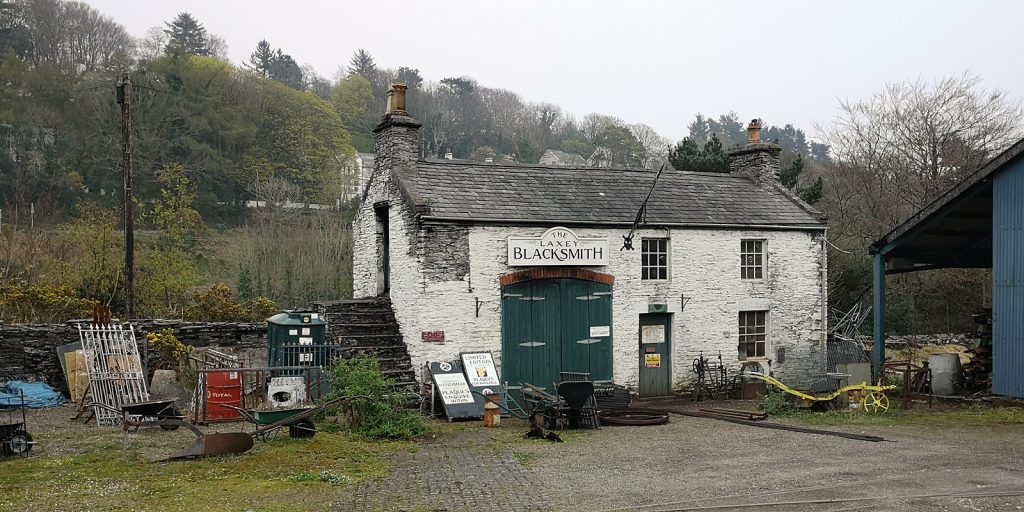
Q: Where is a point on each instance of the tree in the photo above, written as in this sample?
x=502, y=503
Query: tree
x=352, y=99
x=688, y=155
x=261, y=59
x=362, y=64
x=893, y=154
x=790, y=175
x=284, y=69
x=411, y=77
x=655, y=146
x=186, y=35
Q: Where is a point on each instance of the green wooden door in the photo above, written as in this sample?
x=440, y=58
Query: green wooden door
x=555, y=325
x=655, y=355
x=531, y=332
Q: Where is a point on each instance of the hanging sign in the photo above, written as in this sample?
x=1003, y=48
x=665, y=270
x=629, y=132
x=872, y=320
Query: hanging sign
x=652, y=360
x=480, y=369
x=557, y=246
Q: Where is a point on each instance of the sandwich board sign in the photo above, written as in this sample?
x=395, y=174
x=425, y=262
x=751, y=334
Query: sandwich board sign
x=482, y=377
x=450, y=383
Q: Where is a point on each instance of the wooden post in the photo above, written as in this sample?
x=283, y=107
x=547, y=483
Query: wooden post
x=124, y=97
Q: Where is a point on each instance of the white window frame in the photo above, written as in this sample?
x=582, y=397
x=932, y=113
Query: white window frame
x=645, y=253
x=745, y=338
x=758, y=259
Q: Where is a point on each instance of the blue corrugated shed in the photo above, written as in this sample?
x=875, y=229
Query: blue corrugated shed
x=1008, y=281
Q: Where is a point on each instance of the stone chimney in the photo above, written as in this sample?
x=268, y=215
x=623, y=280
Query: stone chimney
x=448, y=154
x=396, y=139
x=756, y=160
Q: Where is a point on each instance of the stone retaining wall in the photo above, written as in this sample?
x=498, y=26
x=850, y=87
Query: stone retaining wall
x=29, y=351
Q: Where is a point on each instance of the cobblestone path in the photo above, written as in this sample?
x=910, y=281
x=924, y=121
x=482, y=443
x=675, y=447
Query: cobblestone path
x=462, y=471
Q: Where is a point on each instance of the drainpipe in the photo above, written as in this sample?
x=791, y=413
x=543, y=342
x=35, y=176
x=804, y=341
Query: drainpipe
x=878, y=309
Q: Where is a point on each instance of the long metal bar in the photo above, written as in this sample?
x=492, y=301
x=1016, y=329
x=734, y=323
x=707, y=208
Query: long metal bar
x=777, y=426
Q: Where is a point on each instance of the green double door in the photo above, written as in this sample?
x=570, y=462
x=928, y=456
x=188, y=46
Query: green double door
x=550, y=326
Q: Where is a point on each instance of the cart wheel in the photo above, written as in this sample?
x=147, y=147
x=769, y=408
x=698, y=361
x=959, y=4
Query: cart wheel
x=174, y=412
x=303, y=428
x=20, y=443
x=875, y=402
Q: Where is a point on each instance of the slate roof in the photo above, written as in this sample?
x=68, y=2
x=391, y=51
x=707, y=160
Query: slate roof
x=478, y=192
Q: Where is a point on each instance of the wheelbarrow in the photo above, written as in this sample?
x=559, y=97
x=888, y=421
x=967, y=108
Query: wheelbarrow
x=15, y=441
x=873, y=398
x=163, y=414
x=298, y=422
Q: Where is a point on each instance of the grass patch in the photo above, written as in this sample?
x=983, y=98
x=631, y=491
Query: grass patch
x=977, y=416
x=524, y=458
x=284, y=474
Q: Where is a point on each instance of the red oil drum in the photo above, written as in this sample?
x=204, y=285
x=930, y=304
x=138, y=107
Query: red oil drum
x=223, y=387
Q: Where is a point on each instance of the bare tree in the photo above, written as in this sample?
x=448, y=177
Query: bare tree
x=655, y=146
x=914, y=140
x=73, y=34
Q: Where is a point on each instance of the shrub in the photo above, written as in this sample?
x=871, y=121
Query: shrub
x=384, y=414
x=171, y=350
x=20, y=302
x=217, y=304
x=777, y=403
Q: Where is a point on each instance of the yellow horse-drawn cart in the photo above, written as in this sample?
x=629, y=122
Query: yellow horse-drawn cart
x=873, y=398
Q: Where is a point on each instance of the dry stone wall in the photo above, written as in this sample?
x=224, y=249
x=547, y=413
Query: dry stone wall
x=29, y=351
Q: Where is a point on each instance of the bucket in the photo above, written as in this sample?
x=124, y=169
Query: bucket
x=946, y=373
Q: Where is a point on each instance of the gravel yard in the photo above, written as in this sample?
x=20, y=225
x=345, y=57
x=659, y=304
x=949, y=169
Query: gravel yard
x=695, y=463
x=688, y=464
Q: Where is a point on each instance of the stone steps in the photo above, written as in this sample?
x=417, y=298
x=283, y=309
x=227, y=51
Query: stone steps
x=368, y=327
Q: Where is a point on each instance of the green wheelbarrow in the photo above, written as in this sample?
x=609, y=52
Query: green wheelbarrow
x=300, y=427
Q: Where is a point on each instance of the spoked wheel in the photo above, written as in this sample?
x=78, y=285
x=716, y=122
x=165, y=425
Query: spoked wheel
x=20, y=443
x=875, y=402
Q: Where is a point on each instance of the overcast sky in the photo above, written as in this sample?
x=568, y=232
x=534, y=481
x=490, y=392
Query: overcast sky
x=657, y=63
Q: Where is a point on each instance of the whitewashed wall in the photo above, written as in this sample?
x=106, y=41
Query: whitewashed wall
x=704, y=268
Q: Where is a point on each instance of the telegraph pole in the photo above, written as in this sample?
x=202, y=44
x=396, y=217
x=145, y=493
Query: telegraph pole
x=124, y=98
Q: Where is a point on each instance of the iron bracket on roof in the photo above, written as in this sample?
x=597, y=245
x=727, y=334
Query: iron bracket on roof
x=627, y=240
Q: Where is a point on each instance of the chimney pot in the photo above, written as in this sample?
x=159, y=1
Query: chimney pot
x=448, y=155
x=396, y=99
x=754, y=131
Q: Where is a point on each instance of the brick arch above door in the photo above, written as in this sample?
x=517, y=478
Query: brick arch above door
x=556, y=273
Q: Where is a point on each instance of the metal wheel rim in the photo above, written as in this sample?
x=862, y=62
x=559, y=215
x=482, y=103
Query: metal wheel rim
x=876, y=402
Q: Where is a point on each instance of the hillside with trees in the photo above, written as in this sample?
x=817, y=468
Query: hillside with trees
x=245, y=172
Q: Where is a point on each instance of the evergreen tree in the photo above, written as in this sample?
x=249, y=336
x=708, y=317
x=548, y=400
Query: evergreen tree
x=688, y=155
x=262, y=59
x=410, y=76
x=362, y=64
x=789, y=177
x=187, y=36
x=284, y=69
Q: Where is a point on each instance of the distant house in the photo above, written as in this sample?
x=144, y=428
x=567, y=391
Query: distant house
x=365, y=163
x=561, y=158
x=601, y=157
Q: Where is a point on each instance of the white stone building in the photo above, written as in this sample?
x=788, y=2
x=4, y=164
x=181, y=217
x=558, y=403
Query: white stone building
x=528, y=262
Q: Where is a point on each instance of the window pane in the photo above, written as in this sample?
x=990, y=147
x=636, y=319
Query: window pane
x=644, y=245
x=643, y=273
